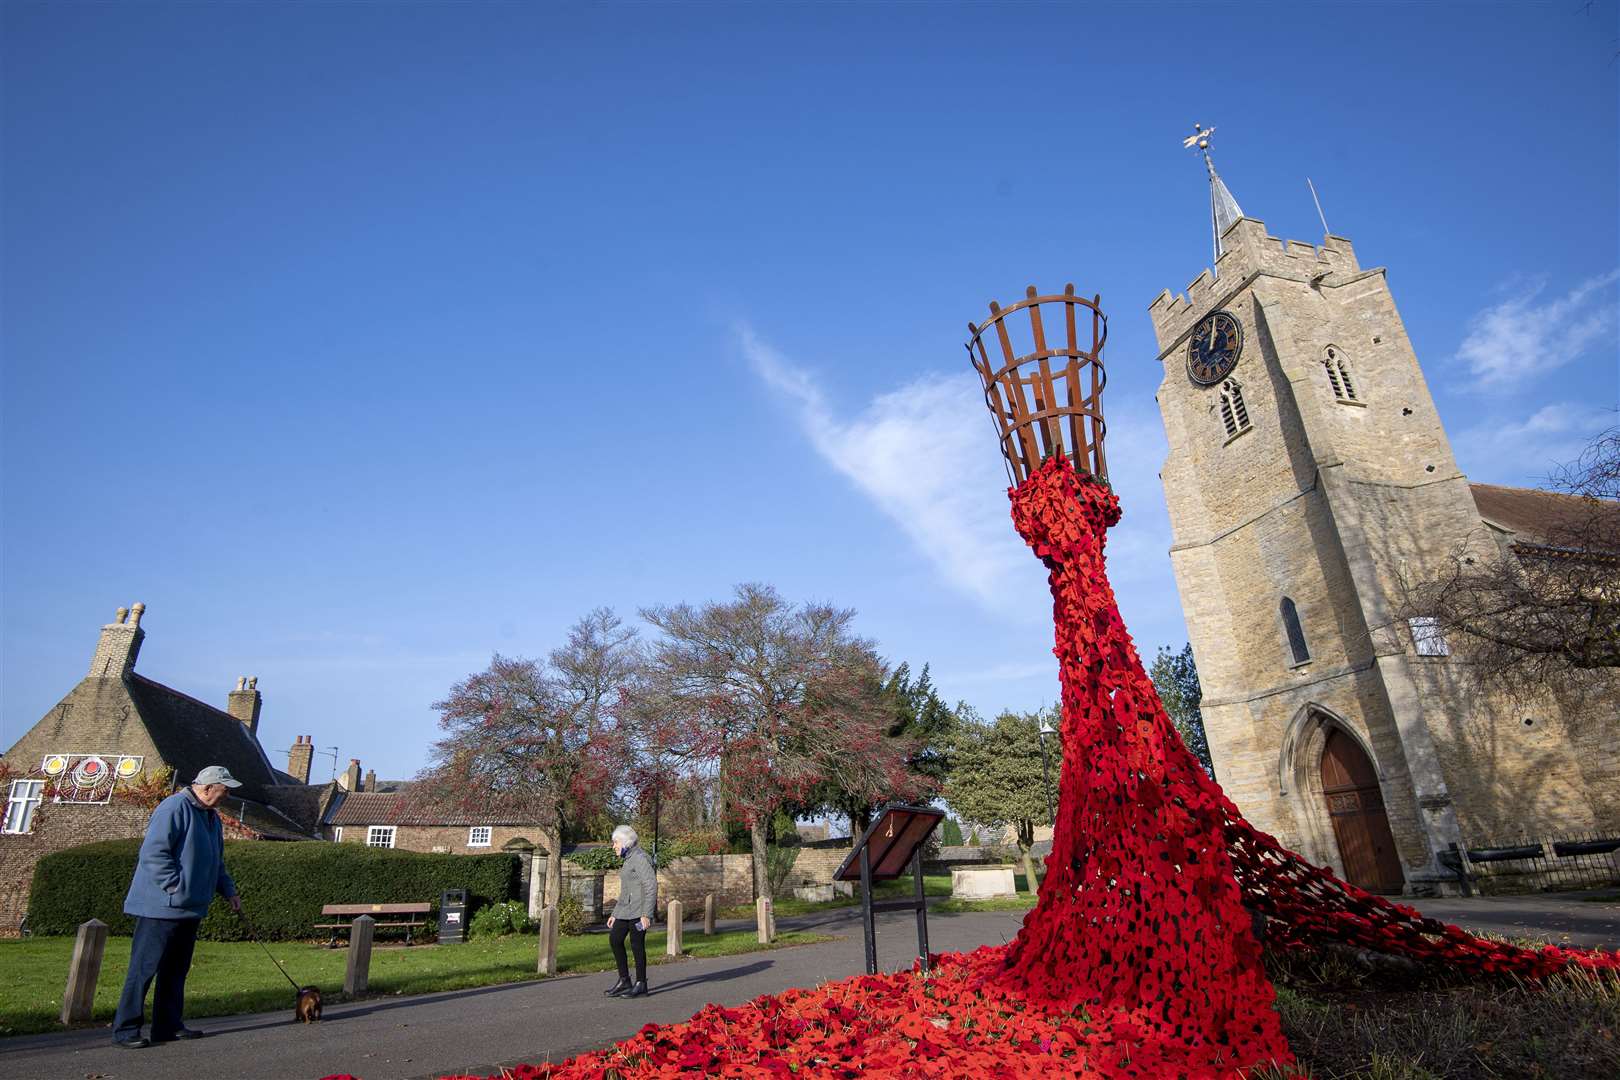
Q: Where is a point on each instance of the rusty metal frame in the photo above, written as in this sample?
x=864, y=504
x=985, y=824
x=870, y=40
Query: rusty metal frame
x=1031, y=404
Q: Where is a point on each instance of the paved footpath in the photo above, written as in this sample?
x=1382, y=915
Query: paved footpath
x=476, y=1030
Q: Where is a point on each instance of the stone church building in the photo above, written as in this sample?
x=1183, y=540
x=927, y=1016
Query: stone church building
x=1308, y=475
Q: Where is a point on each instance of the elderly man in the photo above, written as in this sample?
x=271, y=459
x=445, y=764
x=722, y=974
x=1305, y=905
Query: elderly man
x=181, y=867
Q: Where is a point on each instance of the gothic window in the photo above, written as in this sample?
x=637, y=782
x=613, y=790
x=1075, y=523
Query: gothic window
x=1338, y=373
x=1427, y=637
x=1295, y=632
x=337, y=834
x=1234, y=414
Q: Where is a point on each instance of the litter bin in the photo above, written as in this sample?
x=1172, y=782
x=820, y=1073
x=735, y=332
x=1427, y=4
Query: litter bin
x=453, y=917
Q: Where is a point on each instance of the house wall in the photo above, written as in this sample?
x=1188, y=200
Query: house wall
x=56, y=827
x=440, y=839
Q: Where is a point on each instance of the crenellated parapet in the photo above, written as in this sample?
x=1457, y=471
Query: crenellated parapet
x=1247, y=251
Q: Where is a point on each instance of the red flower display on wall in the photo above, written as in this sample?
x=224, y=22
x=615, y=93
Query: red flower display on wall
x=1140, y=958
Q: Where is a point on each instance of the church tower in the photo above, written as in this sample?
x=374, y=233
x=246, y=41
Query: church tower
x=1308, y=474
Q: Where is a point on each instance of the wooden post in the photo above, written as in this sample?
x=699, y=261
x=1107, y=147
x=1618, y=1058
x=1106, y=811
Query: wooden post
x=762, y=919
x=673, y=928
x=358, y=975
x=708, y=914
x=548, y=941
x=83, y=971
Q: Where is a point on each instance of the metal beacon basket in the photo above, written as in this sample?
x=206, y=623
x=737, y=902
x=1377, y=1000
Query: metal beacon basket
x=1045, y=397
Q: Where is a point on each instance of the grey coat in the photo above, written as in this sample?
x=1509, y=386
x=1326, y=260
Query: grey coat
x=638, y=887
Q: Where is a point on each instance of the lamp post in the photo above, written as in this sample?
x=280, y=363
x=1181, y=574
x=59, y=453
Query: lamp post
x=1046, y=729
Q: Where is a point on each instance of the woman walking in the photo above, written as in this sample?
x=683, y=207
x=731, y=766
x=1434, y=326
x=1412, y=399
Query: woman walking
x=633, y=913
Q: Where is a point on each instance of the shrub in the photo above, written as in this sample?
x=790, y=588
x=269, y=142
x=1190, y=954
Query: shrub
x=950, y=833
x=570, y=915
x=283, y=885
x=595, y=858
x=691, y=844
x=499, y=920
x=779, y=868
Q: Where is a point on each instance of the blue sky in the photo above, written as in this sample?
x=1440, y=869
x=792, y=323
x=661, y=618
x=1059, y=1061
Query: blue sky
x=362, y=341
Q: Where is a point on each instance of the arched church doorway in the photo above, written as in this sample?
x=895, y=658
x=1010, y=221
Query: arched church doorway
x=1356, y=807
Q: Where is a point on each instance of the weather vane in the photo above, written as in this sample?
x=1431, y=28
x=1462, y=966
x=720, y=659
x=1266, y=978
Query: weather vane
x=1223, y=209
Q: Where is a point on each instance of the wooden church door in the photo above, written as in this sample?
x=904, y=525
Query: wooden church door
x=1356, y=806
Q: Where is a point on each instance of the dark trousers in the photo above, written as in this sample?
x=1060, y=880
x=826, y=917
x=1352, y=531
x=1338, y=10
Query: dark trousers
x=161, y=950
x=638, y=942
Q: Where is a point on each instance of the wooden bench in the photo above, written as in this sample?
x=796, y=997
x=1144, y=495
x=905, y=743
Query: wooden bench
x=354, y=911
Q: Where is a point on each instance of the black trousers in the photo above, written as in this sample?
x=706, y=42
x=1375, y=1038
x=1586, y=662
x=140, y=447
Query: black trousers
x=162, y=950
x=638, y=942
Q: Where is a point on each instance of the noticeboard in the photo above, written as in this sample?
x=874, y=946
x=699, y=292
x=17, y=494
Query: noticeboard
x=892, y=841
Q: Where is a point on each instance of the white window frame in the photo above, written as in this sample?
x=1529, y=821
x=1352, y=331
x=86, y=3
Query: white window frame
x=475, y=831
x=22, y=800
x=337, y=834
x=1427, y=637
x=376, y=833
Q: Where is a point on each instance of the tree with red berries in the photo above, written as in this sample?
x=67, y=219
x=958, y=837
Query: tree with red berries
x=767, y=700
x=534, y=740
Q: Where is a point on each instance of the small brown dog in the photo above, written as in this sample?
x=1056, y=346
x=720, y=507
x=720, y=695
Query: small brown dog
x=308, y=1010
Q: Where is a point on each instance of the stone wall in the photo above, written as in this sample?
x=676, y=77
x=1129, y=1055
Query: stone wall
x=729, y=877
x=56, y=827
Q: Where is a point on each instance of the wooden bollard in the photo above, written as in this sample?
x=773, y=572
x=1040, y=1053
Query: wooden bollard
x=83, y=971
x=673, y=928
x=763, y=920
x=358, y=975
x=548, y=941
x=708, y=914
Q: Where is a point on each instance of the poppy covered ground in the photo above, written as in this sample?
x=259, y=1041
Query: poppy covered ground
x=1141, y=957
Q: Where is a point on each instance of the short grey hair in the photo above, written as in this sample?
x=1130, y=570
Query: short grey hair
x=624, y=835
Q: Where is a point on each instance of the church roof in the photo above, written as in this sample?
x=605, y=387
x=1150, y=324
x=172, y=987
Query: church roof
x=1224, y=209
x=1550, y=519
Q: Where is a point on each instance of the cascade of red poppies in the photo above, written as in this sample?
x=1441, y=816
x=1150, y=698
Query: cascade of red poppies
x=1143, y=906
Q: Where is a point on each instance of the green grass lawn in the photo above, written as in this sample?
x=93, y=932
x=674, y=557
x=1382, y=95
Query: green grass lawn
x=236, y=977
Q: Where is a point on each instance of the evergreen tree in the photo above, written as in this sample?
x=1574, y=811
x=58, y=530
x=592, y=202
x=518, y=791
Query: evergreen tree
x=1175, y=676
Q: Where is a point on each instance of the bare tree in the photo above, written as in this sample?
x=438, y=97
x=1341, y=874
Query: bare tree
x=1535, y=612
x=766, y=700
x=534, y=741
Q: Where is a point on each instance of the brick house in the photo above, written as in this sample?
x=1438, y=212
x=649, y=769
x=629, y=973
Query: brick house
x=72, y=777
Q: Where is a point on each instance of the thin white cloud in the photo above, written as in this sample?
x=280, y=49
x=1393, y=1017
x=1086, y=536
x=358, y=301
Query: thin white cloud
x=925, y=454
x=1553, y=435
x=1521, y=338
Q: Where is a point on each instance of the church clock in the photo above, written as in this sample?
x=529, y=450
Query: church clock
x=1212, y=351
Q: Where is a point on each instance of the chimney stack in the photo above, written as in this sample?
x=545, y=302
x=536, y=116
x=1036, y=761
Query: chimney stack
x=298, y=761
x=244, y=703
x=120, y=644
x=350, y=780
x=371, y=780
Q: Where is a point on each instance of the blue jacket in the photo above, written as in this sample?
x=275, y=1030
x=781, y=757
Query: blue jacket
x=182, y=862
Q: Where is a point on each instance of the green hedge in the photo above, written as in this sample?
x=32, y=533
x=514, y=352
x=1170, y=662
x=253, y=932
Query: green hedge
x=283, y=885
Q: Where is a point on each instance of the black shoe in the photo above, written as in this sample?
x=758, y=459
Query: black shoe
x=638, y=990
x=618, y=989
x=137, y=1043
x=188, y=1033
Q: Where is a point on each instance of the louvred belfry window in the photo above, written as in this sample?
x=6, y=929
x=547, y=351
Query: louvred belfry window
x=1338, y=373
x=1234, y=413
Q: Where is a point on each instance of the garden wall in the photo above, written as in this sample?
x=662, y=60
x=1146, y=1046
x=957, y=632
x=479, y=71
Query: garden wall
x=57, y=827
x=729, y=877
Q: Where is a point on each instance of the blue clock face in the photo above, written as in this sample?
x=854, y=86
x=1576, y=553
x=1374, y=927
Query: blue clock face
x=1212, y=351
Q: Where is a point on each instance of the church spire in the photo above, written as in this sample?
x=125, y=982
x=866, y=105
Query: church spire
x=1223, y=208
